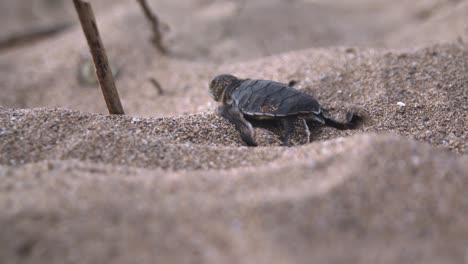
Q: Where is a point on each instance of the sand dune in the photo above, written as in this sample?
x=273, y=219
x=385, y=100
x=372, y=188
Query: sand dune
x=363, y=199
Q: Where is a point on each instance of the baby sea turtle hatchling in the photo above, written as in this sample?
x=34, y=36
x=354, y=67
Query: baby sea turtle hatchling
x=263, y=99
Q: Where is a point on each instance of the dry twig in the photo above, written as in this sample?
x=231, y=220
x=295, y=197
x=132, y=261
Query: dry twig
x=154, y=21
x=33, y=35
x=157, y=86
x=103, y=71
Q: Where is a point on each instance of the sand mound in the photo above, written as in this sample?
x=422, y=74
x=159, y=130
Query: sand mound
x=430, y=82
x=387, y=198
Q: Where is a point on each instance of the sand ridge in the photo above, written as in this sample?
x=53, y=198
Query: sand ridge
x=412, y=199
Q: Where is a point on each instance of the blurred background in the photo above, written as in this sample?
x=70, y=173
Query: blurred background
x=226, y=30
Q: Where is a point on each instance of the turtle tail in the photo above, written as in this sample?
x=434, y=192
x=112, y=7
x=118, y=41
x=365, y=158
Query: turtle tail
x=353, y=120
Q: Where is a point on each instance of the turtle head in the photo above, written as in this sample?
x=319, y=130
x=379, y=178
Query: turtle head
x=219, y=84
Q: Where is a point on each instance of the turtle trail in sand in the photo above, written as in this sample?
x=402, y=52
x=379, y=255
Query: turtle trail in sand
x=264, y=99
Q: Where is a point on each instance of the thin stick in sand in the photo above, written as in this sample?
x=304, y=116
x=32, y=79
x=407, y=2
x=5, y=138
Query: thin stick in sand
x=103, y=71
x=157, y=86
x=154, y=21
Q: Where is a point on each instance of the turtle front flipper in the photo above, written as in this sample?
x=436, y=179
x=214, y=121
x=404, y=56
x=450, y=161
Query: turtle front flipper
x=244, y=127
x=287, y=124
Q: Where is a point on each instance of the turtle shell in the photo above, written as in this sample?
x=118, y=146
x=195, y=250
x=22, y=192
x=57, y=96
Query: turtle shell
x=263, y=98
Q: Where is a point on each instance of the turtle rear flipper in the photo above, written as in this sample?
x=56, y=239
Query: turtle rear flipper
x=353, y=120
x=244, y=127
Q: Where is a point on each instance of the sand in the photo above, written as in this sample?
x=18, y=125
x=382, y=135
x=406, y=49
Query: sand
x=171, y=182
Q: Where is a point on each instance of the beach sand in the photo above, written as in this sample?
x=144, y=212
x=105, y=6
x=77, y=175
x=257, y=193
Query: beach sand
x=171, y=182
